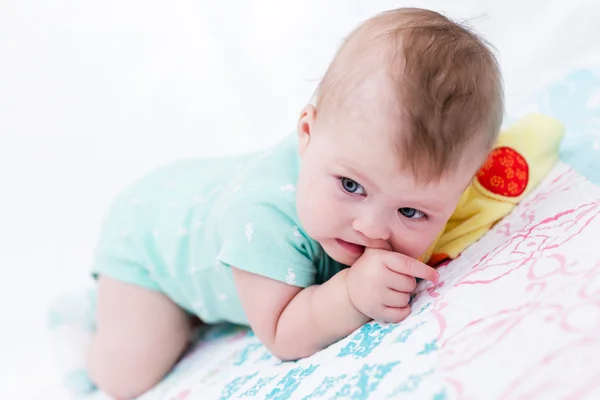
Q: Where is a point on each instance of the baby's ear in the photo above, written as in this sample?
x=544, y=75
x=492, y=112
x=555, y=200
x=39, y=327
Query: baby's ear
x=305, y=127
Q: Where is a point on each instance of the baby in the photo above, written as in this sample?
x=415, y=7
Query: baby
x=320, y=234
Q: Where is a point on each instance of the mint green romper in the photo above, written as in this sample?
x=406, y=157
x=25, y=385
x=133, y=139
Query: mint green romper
x=181, y=228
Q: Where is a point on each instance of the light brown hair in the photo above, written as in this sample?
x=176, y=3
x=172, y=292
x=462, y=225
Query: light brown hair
x=445, y=81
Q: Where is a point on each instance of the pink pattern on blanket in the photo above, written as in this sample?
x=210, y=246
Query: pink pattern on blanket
x=541, y=281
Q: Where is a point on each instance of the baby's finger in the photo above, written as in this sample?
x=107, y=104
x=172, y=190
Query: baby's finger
x=400, y=282
x=409, y=266
x=394, y=315
x=394, y=299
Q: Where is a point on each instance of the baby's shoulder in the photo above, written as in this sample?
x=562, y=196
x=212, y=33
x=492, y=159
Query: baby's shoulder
x=275, y=193
x=261, y=200
x=271, y=177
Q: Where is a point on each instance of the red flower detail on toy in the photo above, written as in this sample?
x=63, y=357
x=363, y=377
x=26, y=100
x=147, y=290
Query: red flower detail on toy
x=505, y=173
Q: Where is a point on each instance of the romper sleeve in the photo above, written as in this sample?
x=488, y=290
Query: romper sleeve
x=264, y=238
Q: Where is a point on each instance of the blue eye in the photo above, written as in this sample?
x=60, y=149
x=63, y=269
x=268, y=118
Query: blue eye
x=411, y=213
x=351, y=186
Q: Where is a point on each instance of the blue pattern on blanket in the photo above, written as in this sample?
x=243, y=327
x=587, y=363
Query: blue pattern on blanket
x=326, y=385
x=286, y=386
x=410, y=384
x=365, y=340
x=575, y=100
x=262, y=382
x=365, y=382
x=235, y=385
x=406, y=333
x=247, y=351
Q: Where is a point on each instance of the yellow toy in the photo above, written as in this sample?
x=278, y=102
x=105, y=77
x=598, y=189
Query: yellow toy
x=522, y=157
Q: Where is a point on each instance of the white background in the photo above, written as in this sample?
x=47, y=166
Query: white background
x=93, y=94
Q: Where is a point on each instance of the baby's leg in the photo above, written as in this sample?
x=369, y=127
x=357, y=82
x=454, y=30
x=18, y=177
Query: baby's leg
x=140, y=336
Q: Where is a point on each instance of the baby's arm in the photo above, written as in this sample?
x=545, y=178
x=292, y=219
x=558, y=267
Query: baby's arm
x=295, y=322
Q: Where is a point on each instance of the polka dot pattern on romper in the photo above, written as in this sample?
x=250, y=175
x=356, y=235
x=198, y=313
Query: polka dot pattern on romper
x=288, y=188
x=249, y=231
x=290, y=277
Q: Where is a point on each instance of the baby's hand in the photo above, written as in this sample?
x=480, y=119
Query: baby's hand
x=381, y=281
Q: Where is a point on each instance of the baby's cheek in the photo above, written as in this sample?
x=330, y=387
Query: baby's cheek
x=318, y=215
x=308, y=212
x=415, y=243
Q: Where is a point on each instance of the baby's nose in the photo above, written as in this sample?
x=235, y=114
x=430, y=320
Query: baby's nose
x=373, y=228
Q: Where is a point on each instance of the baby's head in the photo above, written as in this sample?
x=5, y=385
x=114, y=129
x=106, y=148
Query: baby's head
x=406, y=113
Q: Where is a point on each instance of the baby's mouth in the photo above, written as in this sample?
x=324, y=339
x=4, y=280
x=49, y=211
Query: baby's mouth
x=351, y=247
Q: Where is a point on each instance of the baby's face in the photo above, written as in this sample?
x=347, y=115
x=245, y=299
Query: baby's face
x=351, y=193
